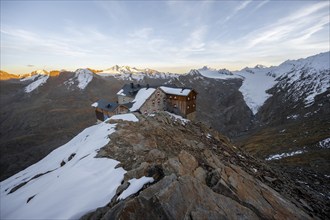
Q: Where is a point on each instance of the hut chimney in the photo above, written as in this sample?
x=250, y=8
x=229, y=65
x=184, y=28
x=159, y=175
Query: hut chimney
x=147, y=86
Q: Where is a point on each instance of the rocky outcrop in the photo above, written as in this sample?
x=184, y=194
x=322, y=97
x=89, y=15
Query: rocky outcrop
x=198, y=174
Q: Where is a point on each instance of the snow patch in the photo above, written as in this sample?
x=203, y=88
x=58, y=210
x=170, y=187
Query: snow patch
x=121, y=92
x=34, y=85
x=134, y=186
x=84, y=77
x=95, y=104
x=283, y=155
x=294, y=117
x=325, y=143
x=178, y=118
x=125, y=117
x=73, y=183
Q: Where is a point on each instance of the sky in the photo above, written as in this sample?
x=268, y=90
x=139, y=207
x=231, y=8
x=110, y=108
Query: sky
x=170, y=36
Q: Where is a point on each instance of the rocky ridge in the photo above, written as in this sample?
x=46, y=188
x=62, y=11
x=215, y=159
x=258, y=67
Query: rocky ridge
x=198, y=174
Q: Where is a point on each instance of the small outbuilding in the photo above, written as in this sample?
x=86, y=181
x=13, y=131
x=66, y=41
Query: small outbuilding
x=105, y=109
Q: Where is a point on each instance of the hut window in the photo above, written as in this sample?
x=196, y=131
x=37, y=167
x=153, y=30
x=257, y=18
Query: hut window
x=194, y=97
x=170, y=96
x=188, y=107
x=174, y=97
x=153, y=102
x=145, y=112
x=158, y=100
x=164, y=100
x=158, y=93
x=193, y=105
x=188, y=98
x=174, y=105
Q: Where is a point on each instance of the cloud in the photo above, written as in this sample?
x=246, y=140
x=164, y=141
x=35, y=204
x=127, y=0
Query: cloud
x=195, y=41
x=262, y=3
x=238, y=9
x=30, y=65
x=304, y=22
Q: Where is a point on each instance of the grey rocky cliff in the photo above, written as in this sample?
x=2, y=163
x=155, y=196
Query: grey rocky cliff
x=198, y=174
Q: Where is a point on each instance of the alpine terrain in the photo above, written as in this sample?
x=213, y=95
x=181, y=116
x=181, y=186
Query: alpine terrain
x=259, y=147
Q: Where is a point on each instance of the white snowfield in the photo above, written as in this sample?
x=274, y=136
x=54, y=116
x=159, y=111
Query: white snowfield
x=69, y=182
x=217, y=74
x=255, y=84
x=140, y=98
x=41, y=79
x=82, y=78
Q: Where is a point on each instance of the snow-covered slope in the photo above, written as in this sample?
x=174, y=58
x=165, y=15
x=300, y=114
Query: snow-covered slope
x=38, y=78
x=132, y=73
x=304, y=79
x=81, y=78
x=256, y=81
x=69, y=182
x=254, y=85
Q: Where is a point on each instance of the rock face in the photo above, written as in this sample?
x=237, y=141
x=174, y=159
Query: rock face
x=198, y=174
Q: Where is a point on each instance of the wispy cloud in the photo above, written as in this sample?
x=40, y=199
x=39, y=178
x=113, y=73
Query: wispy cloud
x=237, y=9
x=292, y=26
x=196, y=41
x=23, y=40
x=262, y=3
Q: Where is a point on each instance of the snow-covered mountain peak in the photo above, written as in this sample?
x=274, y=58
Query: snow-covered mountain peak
x=304, y=78
x=206, y=68
x=260, y=66
x=216, y=74
x=225, y=72
x=133, y=73
x=126, y=70
x=317, y=62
